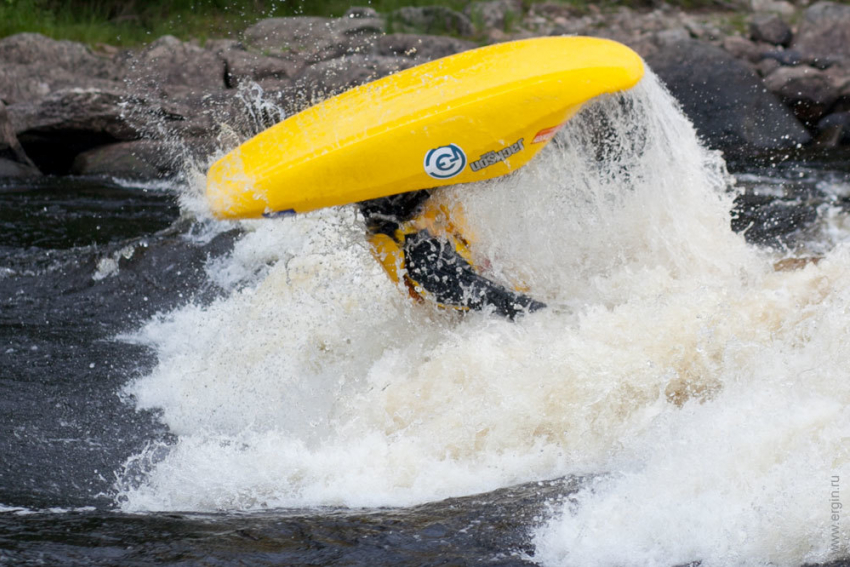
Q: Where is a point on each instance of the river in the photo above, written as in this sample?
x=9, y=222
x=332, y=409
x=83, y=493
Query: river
x=178, y=390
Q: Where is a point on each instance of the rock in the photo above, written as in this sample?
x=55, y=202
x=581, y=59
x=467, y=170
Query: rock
x=367, y=23
x=77, y=110
x=53, y=130
x=432, y=20
x=808, y=91
x=361, y=12
x=825, y=31
x=702, y=30
x=770, y=28
x=139, y=159
x=742, y=48
x=772, y=6
x=839, y=124
x=555, y=10
x=17, y=83
x=10, y=168
x=219, y=46
x=725, y=100
x=302, y=40
x=243, y=112
x=421, y=47
x=34, y=49
x=362, y=44
x=169, y=62
x=10, y=148
x=15, y=162
x=244, y=66
x=785, y=57
x=32, y=66
x=289, y=35
x=767, y=66
x=768, y=221
x=495, y=14
x=331, y=77
x=496, y=35
x=673, y=35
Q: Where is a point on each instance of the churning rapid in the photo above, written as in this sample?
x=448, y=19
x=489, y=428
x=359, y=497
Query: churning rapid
x=704, y=394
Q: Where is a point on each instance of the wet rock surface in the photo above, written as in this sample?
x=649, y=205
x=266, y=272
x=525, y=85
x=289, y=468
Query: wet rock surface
x=54, y=129
x=14, y=162
x=138, y=159
x=809, y=92
x=770, y=28
x=433, y=20
x=724, y=98
x=773, y=83
x=825, y=31
x=32, y=49
x=839, y=124
x=169, y=62
x=770, y=221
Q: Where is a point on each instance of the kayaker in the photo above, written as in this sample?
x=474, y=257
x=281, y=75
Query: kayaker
x=417, y=243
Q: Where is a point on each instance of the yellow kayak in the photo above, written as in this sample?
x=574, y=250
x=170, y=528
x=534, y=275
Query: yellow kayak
x=467, y=117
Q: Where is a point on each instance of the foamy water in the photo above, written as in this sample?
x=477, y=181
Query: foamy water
x=713, y=390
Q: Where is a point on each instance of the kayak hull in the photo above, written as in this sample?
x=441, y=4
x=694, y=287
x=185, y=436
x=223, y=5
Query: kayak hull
x=468, y=117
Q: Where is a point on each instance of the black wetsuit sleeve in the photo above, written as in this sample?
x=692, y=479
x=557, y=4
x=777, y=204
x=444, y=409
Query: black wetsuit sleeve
x=385, y=215
x=435, y=265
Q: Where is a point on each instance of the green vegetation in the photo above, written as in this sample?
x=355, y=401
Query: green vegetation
x=133, y=22
x=738, y=23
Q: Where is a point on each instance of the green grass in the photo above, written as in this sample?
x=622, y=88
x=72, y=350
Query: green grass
x=129, y=23
x=134, y=22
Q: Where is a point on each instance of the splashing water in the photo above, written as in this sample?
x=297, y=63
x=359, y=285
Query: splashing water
x=709, y=388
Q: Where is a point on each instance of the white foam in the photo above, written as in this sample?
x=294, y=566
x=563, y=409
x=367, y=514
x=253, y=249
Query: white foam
x=711, y=388
x=22, y=511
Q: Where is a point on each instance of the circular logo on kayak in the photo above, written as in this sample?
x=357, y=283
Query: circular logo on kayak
x=445, y=161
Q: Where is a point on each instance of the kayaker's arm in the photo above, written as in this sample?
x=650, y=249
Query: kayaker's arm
x=434, y=266
x=431, y=266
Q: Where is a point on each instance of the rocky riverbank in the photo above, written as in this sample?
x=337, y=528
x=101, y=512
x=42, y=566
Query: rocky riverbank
x=774, y=76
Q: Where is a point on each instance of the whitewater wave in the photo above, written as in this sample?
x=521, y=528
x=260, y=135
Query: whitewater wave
x=712, y=389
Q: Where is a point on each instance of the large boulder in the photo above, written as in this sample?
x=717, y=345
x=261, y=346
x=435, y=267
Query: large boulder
x=769, y=221
x=14, y=162
x=745, y=49
x=244, y=65
x=825, y=31
x=55, y=129
x=431, y=20
x=37, y=50
x=421, y=48
x=726, y=100
x=139, y=159
x=20, y=83
x=334, y=76
x=79, y=110
x=770, y=28
x=808, y=91
x=32, y=66
x=781, y=7
x=25, y=83
x=838, y=125
x=11, y=168
x=168, y=62
x=313, y=39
